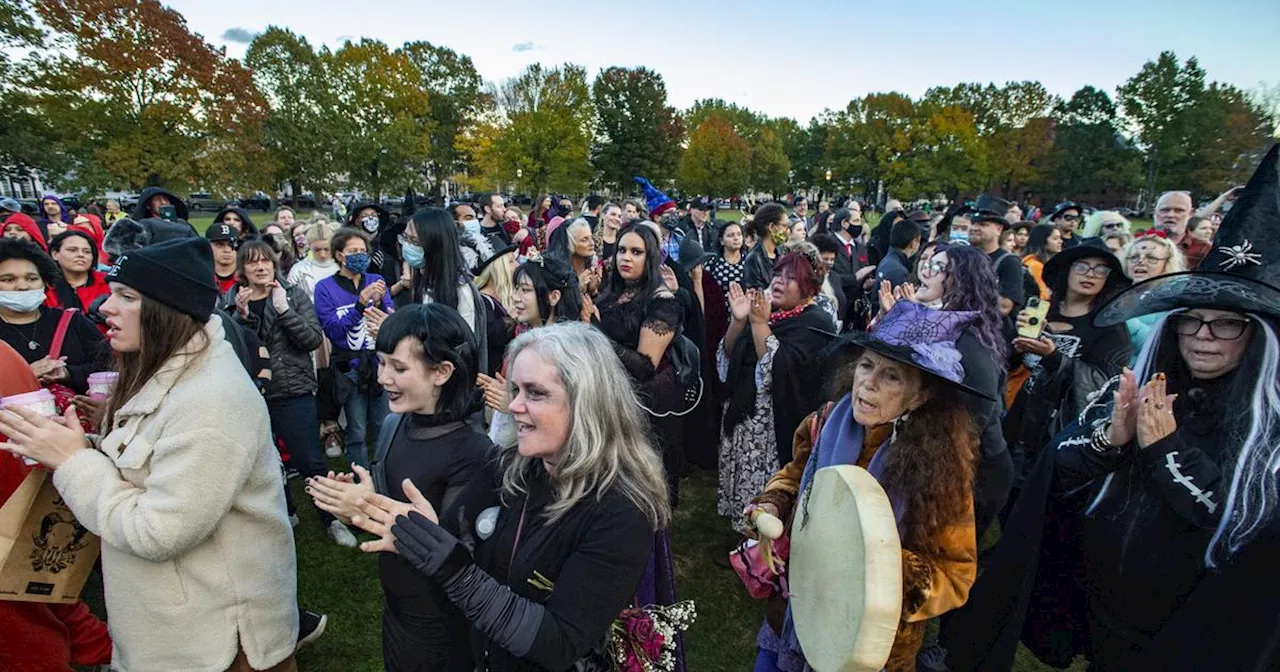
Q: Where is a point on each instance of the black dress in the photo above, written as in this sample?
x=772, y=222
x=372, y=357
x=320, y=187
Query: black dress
x=421, y=629
x=85, y=347
x=622, y=316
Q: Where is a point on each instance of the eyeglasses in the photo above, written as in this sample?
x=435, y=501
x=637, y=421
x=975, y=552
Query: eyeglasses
x=1223, y=329
x=1113, y=225
x=932, y=268
x=1070, y=218
x=1149, y=259
x=1083, y=268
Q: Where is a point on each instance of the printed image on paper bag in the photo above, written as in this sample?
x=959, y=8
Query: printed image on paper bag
x=45, y=555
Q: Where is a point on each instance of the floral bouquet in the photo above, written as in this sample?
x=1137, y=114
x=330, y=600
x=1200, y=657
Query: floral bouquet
x=644, y=639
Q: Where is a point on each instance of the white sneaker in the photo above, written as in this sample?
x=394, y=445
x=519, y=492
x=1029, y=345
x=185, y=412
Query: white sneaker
x=334, y=449
x=341, y=535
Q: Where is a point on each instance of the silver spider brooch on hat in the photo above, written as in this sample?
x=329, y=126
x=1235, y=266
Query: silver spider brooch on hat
x=1239, y=255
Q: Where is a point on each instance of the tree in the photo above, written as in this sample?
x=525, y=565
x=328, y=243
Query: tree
x=23, y=135
x=639, y=134
x=950, y=154
x=743, y=121
x=544, y=130
x=1090, y=159
x=302, y=128
x=1231, y=133
x=1157, y=103
x=717, y=161
x=457, y=102
x=386, y=116
x=135, y=98
x=1021, y=138
x=769, y=163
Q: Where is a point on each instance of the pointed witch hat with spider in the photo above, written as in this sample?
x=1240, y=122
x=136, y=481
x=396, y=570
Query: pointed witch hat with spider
x=1241, y=273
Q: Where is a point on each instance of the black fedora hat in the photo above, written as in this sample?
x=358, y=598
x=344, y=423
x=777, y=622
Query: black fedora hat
x=1242, y=271
x=988, y=208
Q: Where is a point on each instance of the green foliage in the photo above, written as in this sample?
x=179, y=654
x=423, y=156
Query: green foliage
x=302, y=129
x=386, y=123
x=1196, y=136
x=638, y=133
x=457, y=102
x=1090, y=158
x=717, y=161
x=543, y=130
x=769, y=163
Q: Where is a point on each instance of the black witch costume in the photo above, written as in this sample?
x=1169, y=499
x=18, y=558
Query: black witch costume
x=1163, y=557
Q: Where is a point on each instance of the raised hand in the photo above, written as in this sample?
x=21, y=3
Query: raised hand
x=242, y=303
x=1155, y=412
x=887, y=296
x=759, y=307
x=279, y=298
x=1124, y=411
x=739, y=302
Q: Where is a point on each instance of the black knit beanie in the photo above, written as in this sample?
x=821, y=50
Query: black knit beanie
x=178, y=273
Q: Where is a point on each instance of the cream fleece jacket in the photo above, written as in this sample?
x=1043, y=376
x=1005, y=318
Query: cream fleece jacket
x=187, y=496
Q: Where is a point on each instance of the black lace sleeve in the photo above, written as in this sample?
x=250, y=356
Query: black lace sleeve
x=664, y=315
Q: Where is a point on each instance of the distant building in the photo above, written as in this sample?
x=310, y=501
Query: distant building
x=21, y=184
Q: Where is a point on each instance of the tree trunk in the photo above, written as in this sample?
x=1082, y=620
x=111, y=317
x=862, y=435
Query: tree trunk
x=295, y=187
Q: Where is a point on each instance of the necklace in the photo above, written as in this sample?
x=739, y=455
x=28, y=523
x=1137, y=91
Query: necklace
x=31, y=340
x=781, y=315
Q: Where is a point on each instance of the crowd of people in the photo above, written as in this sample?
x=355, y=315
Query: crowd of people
x=504, y=405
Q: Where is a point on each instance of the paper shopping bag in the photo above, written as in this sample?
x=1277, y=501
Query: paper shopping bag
x=45, y=555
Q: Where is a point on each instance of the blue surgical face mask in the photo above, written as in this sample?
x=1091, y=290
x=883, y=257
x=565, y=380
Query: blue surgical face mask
x=413, y=254
x=471, y=225
x=356, y=262
x=960, y=237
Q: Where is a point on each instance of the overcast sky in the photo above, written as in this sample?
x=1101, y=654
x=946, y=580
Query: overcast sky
x=795, y=58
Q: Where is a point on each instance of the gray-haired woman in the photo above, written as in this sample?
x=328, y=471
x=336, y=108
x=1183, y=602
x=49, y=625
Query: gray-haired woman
x=563, y=520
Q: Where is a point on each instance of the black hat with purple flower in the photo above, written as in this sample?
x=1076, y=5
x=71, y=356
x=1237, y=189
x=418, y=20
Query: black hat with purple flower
x=920, y=337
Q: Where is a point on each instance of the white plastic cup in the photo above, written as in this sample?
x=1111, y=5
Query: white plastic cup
x=40, y=401
x=100, y=384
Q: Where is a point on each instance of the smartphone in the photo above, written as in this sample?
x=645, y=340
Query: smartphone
x=1036, y=312
x=168, y=213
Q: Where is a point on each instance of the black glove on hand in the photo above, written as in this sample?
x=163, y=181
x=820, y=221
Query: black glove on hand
x=429, y=548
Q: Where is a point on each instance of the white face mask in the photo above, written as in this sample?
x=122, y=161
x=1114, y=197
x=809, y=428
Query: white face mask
x=24, y=301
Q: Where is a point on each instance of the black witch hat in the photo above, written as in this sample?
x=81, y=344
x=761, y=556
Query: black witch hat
x=1242, y=271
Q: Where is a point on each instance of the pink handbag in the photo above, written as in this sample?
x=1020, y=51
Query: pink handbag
x=762, y=566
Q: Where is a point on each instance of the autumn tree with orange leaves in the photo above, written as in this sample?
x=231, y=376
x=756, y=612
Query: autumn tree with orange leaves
x=132, y=98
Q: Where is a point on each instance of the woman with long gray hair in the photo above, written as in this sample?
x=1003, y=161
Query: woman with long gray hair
x=562, y=520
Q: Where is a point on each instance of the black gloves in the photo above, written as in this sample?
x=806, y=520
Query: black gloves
x=429, y=548
x=510, y=620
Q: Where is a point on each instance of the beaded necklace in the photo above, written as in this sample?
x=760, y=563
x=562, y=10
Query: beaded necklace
x=781, y=315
